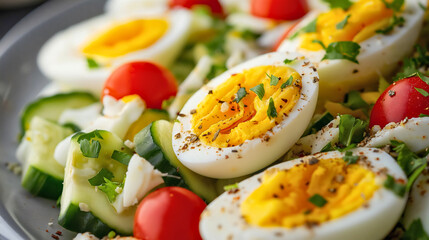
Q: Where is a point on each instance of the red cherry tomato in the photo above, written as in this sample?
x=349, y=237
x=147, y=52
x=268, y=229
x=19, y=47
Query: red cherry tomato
x=399, y=101
x=214, y=5
x=279, y=9
x=153, y=83
x=169, y=213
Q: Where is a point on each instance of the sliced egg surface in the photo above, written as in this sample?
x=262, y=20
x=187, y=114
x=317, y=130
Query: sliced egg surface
x=84, y=55
x=379, y=53
x=248, y=117
x=133, y=6
x=315, y=197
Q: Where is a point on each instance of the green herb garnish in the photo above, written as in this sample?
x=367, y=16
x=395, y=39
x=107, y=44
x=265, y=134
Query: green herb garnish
x=318, y=200
x=395, y=21
x=415, y=231
x=422, y=92
x=354, y=101
x=90, y=148
x=423, y=7
x=121, y=157
x=395, y=5
x=352, y=130
x=273, y=79
x=343, y=23
x=392, y=185
x=288, y=61
x=91, y=63
x=99, y=179
x=311, y=27
x=287, y=83
x=241, y=93
x=347, y=50
x=109, y=188
x=407, y=159
x=344, y=4
x=271, y=111
x=230, y=187
x=349, y=158
x=423, y=115
x=259, y=90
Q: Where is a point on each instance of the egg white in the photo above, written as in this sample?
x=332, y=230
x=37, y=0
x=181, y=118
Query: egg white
x=62, y=60
x=379, y=55
x=253, y=154
x=413, y=132
x=222, y=218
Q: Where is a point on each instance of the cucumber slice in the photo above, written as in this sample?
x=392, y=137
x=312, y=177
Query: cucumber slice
x=148, y=116
x=83, y=207
x=154, y=143
x=51, y=107
x=43, y=176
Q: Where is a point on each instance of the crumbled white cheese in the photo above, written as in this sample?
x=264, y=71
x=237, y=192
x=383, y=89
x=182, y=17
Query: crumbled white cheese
x=84, y=207
x=141, y=177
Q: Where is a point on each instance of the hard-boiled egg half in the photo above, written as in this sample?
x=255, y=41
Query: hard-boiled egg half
x=248, y=117
x=83, y=56
x=323, y=196
x=385, y=37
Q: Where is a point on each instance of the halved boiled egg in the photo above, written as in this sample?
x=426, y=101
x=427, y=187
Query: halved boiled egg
x=248, y=117
x=322, y=196
x=84, y=55
x=379, y=54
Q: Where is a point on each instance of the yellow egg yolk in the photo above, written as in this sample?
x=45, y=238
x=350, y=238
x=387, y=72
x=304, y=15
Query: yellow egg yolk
x=282, y=200
x=125, y=38
x=220, y=121
x=365, y=17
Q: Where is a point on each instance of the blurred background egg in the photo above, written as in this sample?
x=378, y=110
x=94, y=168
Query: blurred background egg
x=83, y=56
x=316, y=197
x=248, y=117
x=380, y=53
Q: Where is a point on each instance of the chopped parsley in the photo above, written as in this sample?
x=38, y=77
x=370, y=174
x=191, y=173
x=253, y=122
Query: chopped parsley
x=395, y=5
x=91, y=63
x=241, y=93
x=109, y=188
x=354, y=101
x=349, y=158
x=287, y=83
x=90, y=148
x=121, y=157
x=422, y=92
x=414, y=176
x=273, y=79
x=271, y=111
x=230, y=187
x=347, y=50
x=343, y=23
x=392, y=185
x=412, y=65
x=311, y=27
x=344, y=4
x=318, y=200
x=423, y=115
x=415, y=231
x=407, y=159
x=99, y=179
x=259, y=90
x=288, y=61
x=352, y=130
x=395, y=21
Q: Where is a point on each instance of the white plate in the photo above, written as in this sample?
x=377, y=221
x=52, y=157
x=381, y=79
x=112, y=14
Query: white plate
x=23, y=216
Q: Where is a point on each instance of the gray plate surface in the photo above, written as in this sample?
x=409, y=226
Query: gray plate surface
x=23, y=216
